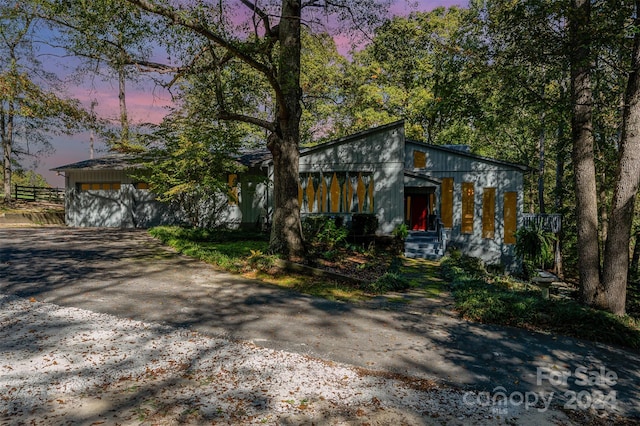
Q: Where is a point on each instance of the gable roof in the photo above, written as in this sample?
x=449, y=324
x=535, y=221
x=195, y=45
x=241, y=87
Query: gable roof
x=422, y=176
x=462, y=153
x=354, y=136
x=109, y=162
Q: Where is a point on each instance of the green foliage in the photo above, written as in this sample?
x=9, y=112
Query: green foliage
x=29, y=178
x=364, y=224
x=390, y=281
x=190, y=165
x=480, y=297
x=535, y=247
x=325, y=232
x=231, y=250
x=401, y=231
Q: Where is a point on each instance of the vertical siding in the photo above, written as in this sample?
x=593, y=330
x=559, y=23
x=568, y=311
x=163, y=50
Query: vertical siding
x=483, y=174
x=380, y=153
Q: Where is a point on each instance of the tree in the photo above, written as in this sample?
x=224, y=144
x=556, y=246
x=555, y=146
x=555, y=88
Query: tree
x=28, y=111
x=583, y=149
x=414, y=68
x=616, y=261
x=273, y=50
x=110, y=37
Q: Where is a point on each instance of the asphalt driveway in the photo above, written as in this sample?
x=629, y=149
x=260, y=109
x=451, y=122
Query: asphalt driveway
x=129, y=274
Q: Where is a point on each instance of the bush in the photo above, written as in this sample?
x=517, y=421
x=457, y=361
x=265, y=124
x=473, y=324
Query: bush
x=390, y=281
x=401, y=231
x=325, y=231
x=534, y=246
x=364, y=224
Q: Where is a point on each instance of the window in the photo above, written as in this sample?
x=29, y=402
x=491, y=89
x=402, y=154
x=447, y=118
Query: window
x=488, y=212
x=467, y=207
x=141, y=185
x=510, y=217
x=419, y=159
x=98, y=186
x=233, y=188
x=336, y=192
x=447, y=202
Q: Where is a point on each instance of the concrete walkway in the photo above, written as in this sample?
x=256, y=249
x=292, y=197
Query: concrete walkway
x=129, y=274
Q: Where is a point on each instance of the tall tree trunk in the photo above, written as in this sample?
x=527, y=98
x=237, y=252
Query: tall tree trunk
x=616, y=253
x=7, y=150
x=559, y=197
x=583, y=158
x=635, y=258
x=286, y=231
x=124, y=119
x=541, y=161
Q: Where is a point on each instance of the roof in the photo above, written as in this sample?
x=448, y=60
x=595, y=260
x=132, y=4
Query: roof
x=463, y=153
x=254, y=158
x=423, y=176
x=109, y=162
x=359, y=135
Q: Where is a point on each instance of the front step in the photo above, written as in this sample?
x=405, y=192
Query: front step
x=423, y=245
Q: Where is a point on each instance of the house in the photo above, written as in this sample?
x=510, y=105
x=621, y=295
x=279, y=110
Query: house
x=443, y=194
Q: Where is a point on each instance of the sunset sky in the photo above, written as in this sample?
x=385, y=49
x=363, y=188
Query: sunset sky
x=145, y=103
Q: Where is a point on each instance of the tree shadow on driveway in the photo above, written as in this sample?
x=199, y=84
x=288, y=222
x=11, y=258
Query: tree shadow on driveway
x=129, y=274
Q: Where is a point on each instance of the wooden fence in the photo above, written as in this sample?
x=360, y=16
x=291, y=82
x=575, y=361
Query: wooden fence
x=34, y=193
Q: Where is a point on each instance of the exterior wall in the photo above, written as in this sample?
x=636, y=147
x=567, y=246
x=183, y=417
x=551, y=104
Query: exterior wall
x=254, y=200
x=378, y=152
x=127, y=207
x=483, y=174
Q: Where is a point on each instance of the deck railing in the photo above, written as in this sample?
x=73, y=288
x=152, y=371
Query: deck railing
x=548, y=222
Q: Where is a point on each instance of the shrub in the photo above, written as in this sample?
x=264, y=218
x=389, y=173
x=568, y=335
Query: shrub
x=325, y=231
x=401, y=231
x=364, y=224
x=534, y=246
x=390, y=281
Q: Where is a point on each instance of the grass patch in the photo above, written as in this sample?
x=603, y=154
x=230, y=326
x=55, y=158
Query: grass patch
x=424, y=275
x=480, y=297
x=230, y=250
x=246, y=252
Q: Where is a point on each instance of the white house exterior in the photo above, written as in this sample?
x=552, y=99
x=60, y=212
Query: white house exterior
x=473, y=202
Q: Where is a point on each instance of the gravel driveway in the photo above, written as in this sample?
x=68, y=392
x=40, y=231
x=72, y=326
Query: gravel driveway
x=122, y=330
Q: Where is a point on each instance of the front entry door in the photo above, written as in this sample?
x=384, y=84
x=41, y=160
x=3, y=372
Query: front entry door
x=419, y=213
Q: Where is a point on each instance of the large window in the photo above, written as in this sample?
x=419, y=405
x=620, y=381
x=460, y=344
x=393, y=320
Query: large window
x=468, y=205
x=488, y=212
x=447, y=202
x=336, y=192
x=510, y=217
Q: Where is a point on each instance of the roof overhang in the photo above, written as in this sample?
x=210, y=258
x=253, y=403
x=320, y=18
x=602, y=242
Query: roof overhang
x=421, y=176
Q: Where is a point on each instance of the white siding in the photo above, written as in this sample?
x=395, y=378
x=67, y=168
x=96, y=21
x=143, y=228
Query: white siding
x=379, y=152
x=483, y=173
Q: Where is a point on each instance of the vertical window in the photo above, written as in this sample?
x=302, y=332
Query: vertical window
x=467, y=207
x=447, y=202
x=233, y=188
x=335, y=193
x=510, y=217
x=488, y=212
x=419, y=159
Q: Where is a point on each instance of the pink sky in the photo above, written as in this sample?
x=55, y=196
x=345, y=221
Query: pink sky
x=148, y=103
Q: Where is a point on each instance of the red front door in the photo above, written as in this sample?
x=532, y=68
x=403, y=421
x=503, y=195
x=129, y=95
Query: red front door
x=419, y=213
